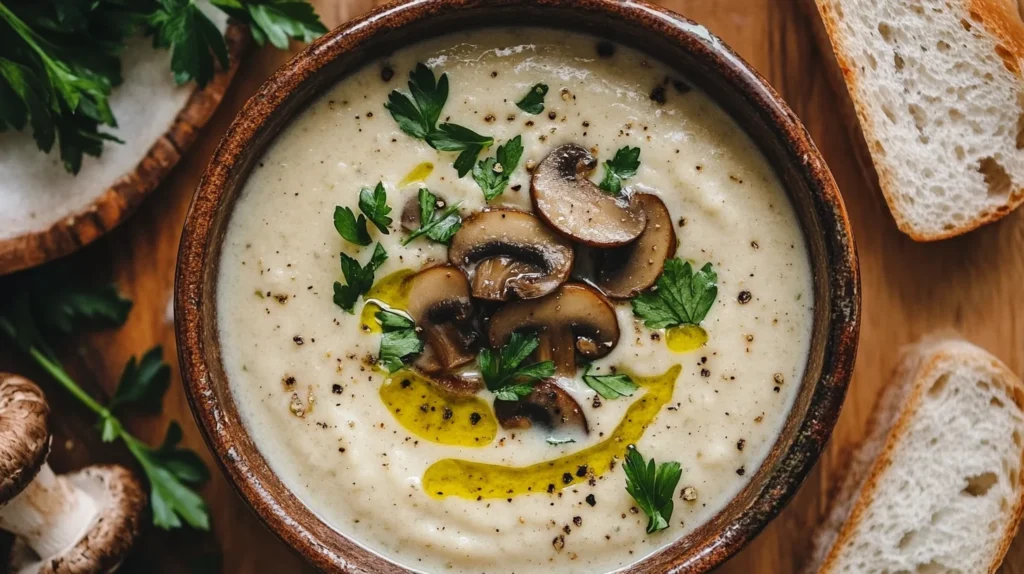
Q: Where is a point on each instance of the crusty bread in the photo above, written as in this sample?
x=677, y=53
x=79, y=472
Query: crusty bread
x=937, y=484
x=937, y=89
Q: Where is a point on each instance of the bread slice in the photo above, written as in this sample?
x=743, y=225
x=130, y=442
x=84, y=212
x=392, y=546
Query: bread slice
x=937, y=89
x=937, y=484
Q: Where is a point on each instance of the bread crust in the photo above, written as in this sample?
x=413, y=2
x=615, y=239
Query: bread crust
x=998, y=17
x=920, y=365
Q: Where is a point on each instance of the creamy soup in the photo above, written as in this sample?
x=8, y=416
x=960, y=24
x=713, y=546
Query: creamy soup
x=420, y=469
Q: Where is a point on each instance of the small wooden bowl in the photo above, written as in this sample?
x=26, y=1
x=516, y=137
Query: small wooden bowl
x=695, y=53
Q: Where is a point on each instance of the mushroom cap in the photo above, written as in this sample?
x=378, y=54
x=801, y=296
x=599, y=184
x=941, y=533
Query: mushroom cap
x=576, y=208
x=24, y=434
x=121, y=507
x=575, y=318
x=510, y=236
x=628, y=270
x=547, y=404
x=440, y=304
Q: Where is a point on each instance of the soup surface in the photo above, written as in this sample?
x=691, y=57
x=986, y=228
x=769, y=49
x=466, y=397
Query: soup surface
x=431, y=479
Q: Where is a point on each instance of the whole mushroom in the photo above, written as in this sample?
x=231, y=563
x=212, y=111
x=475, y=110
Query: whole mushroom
x=81, y=522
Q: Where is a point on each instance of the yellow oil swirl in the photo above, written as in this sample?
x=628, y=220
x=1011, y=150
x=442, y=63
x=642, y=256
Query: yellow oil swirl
x=467, y=479
x=433, y=415
x=391, y=292
x=418, y=174
x=685, y=338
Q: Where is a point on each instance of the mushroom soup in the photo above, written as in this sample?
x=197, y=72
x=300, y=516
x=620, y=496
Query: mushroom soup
x=617, y=277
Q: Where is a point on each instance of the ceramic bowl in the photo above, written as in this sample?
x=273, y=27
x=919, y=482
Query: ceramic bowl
x=695, y=53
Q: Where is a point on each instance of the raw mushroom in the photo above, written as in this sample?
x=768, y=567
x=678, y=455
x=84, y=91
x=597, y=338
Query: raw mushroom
x=628, y=270
x=517, y=255
x=85, y=521
x=573, y=206
x=547, y=404
x=576, y=318
x=439, y=302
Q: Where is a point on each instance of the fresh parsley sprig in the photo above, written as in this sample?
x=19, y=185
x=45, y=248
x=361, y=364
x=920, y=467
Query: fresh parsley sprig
x=418, y=118
x=652, y=486
x=373, y=203
x=399, y=341
x=620, y=168
x=610, y=386
x=681, y=296
x=439, y=227
x=41, y=304
x=493, y=174
x=504, y=373
x=533, y=101
x=358, y=278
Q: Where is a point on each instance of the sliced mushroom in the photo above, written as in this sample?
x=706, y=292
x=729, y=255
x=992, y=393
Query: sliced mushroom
x=628, y=270
x=576, y=318
x=547, y=404
x=573, y=206
x=439, y=302
x=86, y=521
x=411, y=215
x=518, y=255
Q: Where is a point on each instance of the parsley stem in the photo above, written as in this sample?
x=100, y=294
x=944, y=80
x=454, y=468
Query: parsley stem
x=25, y=32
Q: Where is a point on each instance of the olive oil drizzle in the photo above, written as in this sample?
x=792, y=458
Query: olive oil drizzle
x=685, y=338
x=391, y=292
x=433, y=415
x=474, y=480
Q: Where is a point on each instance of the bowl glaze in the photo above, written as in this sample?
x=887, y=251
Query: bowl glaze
x=684, y=45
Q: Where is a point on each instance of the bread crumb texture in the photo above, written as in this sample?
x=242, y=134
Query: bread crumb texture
x=936, y=487
x=938, y=90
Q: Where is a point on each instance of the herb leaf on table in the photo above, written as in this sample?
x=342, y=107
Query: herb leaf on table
x=681, y=297
x=358, y=278
x=652, y=485
x=620, y=168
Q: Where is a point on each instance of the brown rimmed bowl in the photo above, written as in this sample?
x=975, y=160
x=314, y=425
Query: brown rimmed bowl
x=695, y=53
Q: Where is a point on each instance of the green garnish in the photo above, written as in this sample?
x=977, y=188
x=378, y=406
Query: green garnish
x=420, y=118
x=374, y=204
x=492, y=174
x=399, y=341
x=623, y=166
x=351, y=229
x=359, y=279
x=610, y=386
x=438, y=227
x=559, y=441
x=533, y=101
x=652, y=485
x=60, y=60
x=38, y=304
x=504, y=373
x=681, y=297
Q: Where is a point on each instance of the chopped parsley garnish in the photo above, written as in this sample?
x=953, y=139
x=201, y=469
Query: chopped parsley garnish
x=419, y=119
x=533, y=101
x=359, y=279
x=439, y=227
x=492, y=174
x=374, y=204
x=399, y=342
x=351, y=229
x=652, y=485
x=681, y=297
x=610, y=386
x=504, y=373
x=623, y=166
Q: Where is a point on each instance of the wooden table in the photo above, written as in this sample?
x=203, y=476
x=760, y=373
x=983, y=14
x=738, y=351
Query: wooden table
x=971, y=284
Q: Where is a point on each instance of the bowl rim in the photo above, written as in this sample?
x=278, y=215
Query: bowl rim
x=196, y=249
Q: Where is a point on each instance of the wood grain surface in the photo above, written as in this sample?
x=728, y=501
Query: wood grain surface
x=971, y=284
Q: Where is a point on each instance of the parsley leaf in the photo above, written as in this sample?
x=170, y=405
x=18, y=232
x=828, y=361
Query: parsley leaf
x=623, y=166
x=533, y=101
x=399, y=340
x=652, y=485
x=184, y=463
x=493, y=173
x=351, y=229
x=359, y=279
x=452, y=137
x=143, y=383
x=610, y=386
x=503, y=371
x=374, y=203
x=438, y=227
x=681, y=297
x=275, y=20
x=181, y=26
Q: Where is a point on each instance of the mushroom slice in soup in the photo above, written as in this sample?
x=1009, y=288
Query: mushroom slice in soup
x=440, y=304
x=517, y=256
x=576, y=318
x=576, y=208
x=628, y=270
x=547, y=404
